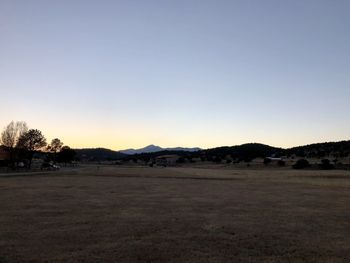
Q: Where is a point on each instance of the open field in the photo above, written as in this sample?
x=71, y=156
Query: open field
x=116, y=214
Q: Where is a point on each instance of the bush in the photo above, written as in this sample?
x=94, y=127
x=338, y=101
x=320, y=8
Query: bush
x=203, y=158
x=181, y=160
x=281, y=163
x=267, y=161
x=326, y=165
x=217, y=159
x=301, y=164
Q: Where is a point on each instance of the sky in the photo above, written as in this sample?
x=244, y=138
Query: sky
x=125, y=74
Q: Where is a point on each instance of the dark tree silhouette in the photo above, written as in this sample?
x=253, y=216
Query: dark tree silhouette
x=180, y=160
x=55, y=146
x=10, y=136
x=66, y=155
x=31, y=141
x=281, y=163
x=267, y=161
x=326, y=164
x=301, y=164
x=12, y=132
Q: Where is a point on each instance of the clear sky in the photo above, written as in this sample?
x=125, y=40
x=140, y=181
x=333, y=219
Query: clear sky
x=121, y=74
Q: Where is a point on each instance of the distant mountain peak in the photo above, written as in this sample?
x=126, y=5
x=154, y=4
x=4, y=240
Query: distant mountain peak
x=155, y=148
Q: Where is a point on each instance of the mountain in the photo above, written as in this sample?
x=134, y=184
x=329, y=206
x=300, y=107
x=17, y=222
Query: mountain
x=98, y=154
x=244, y=152
x=320, y=150
x=239, y=152
x=254, y=150
x=148, y=149
x=154, y=148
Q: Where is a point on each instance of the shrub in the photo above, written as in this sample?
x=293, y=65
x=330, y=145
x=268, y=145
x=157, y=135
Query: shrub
x=180, y=160
x=281, y=163
x=301, y=164
x=217, y=159
x=267, y=161
x=326, y=164
x=247, y=160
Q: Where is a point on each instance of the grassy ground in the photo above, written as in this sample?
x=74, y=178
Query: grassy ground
x=111, y=214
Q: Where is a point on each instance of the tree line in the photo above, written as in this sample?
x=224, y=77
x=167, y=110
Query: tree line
x=22, y=143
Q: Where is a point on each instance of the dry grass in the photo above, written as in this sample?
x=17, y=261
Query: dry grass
x=115, y=214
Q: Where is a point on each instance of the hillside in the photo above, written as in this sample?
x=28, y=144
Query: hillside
x=319, y=150
x=239, y=152
x=243, y=152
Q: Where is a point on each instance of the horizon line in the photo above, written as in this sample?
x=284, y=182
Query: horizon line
x=203, y=148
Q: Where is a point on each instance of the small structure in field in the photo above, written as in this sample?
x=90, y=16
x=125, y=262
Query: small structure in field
x=166, y=160
x=274, y=159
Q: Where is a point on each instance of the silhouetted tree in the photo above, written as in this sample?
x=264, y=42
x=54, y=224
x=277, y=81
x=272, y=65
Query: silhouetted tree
x=217, y=159
x=267, y=161
x=54, y=147
x=180, y=160
x=301, y=164
x=10, y=135
x=326, y=165
x=66, y=155
x=203, y=158
x=12, y=132
x=281, y=163
x=31, y=141
x=247, y=160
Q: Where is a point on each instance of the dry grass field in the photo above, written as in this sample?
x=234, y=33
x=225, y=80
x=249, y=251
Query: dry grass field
x=116, y=214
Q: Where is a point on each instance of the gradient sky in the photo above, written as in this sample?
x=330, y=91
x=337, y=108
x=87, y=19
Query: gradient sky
x=121, y=74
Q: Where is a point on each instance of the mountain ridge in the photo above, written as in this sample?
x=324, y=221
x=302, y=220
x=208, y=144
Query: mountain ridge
x=155, y=148
x=243, y=151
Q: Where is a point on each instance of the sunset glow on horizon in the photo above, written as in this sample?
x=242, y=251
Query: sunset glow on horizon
x=177, y=73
